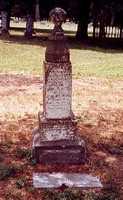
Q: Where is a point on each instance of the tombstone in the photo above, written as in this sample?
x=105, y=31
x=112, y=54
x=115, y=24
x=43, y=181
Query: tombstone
x=56, y=140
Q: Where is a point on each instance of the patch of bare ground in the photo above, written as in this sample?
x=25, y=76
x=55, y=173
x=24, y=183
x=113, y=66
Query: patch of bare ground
x=98, y=106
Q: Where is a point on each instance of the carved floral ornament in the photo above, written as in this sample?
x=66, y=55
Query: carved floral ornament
x=58, y=16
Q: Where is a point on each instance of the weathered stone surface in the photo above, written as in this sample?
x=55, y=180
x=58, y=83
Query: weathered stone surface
x=74, y=180
x=57, y=52
x=57, y=129
x=58, y=16
x=59, y=155
x=60, y=152
x=57, y=90
x=56, y=139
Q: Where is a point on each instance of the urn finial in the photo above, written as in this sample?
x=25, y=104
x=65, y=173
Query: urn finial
x=57, y=50
x=58, y=16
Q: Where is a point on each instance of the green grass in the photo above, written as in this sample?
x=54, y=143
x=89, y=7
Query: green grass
x=19, y=55
x=97, y=63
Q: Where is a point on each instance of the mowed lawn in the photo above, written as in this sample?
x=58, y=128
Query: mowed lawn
x=18, y=55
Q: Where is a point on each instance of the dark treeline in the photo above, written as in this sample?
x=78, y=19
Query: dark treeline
x=99, y=12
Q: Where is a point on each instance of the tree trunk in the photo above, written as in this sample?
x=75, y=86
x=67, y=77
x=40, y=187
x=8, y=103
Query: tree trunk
x=37, y=11
x=29, y=26
x=102, y=25
x=121, y=32
x=4, y=22
x=83, y=15
x=82, y=31
x=94, y=29
x=8, y=19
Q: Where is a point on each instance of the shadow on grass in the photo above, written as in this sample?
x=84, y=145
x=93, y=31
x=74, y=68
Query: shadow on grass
x=109, y=45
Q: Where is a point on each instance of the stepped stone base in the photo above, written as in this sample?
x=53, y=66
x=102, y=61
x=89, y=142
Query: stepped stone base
x=59, y=152
x=56, y=142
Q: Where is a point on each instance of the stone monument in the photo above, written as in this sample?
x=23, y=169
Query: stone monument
x=56, y=140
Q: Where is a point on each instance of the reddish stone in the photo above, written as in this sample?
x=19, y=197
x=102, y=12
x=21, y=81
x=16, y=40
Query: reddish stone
x=56, y=139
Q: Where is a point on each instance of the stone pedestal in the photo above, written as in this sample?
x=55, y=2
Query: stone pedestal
x=56, y=139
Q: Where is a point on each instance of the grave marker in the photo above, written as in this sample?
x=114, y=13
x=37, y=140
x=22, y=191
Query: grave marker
x=56, y=140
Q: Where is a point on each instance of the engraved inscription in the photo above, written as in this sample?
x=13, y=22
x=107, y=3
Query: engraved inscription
x=58, y=91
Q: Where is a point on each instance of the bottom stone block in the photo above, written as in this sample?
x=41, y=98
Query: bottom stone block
x=57, y=142
x=60, y=152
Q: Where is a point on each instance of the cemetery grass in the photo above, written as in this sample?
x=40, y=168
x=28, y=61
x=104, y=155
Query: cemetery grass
x=19, y=55
x=97, y=104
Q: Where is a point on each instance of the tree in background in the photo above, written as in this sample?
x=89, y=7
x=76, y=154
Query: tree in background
x=78, y=11
x=103, y=13
x=37, y=11
x=112, y=15
x=83, y=9
x=5, y=7
x=30, y=7
x=18, y=9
